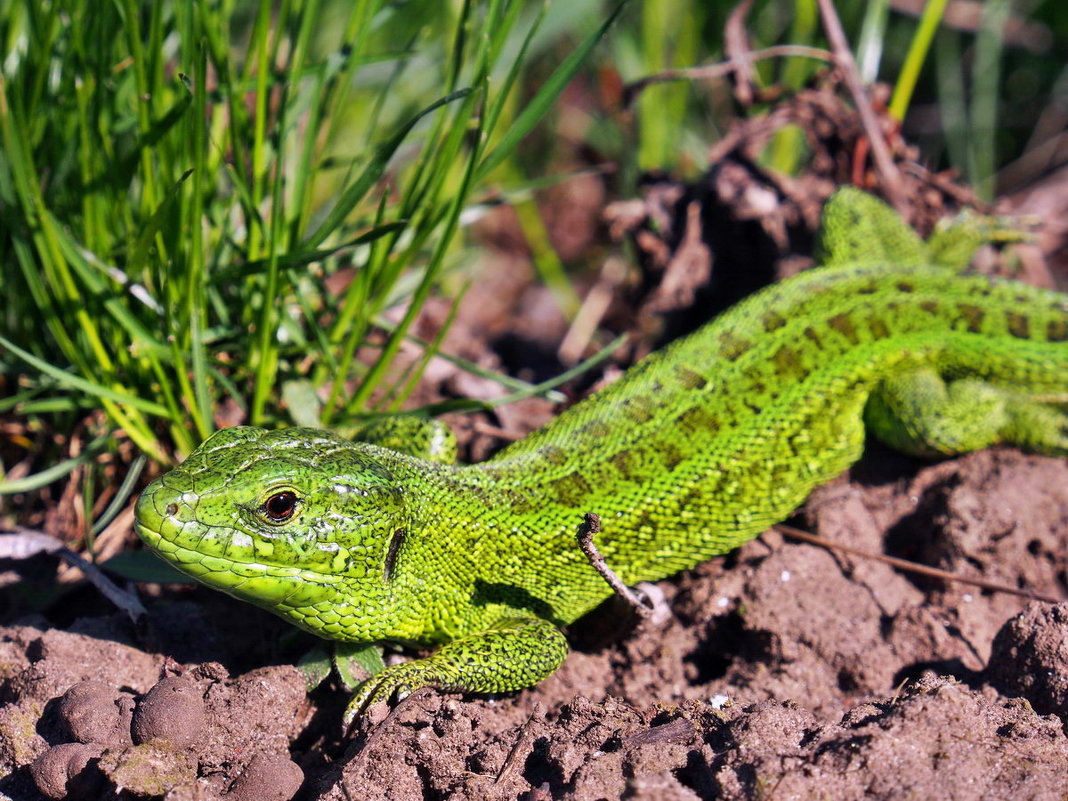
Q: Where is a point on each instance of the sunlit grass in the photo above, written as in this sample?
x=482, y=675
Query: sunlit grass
x=175, y=192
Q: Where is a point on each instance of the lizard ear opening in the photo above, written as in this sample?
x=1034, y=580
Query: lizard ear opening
x=395, y=543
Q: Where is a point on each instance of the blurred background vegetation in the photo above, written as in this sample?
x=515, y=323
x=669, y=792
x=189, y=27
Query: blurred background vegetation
x=208, y=208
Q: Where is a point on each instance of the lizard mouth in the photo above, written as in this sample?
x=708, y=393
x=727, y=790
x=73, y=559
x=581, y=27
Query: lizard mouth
x=216, y=571
x=184, y=550
x=271, y=586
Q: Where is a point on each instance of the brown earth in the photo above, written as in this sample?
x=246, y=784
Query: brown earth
x=784, y=671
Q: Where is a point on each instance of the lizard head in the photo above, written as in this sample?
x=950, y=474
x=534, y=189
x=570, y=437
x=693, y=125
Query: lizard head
x=299, y=521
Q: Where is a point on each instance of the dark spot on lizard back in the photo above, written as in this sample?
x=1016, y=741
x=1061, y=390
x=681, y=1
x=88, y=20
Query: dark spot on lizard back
x=595, y=428
x=811, y=335
x=671, y=455
x=623, y=462
x=788, y=363
x=572, y=490
x=1057, y=330
x=972, y=315
x=772, y=321
x=554, y=455
x=697, y=420
x=844, y=326
x=690, y=379
x=638, y=409
x=1019, y=325
x=645, y=522
x=518, y=502
x=731, y=347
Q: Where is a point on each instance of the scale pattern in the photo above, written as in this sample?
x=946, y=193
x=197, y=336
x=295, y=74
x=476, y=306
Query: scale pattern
x=695, y=450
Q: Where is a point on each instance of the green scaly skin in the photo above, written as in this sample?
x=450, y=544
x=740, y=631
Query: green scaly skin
x=694, y=451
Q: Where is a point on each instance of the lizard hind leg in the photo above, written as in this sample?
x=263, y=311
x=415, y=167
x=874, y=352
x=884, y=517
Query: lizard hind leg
x=922, y=414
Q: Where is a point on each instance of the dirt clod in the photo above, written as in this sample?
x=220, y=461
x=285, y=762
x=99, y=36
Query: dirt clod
x=268, y=777
x=172, y=710
x=93, y=712
x=63, y=771
x=1030, y=658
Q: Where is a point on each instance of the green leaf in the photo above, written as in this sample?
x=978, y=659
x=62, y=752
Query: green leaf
x=53, y=473
x=544, y=98
x=316, y=665
x=76, y=382
x=352, y=658
x=155, y=223
x=144, y=566
x=303, y=403
x=45, y=477
x=301, y=258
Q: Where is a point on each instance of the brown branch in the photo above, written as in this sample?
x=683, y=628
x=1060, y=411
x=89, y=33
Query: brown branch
x=736, y=46
x=591, y=524
x=843, y=56
x=913, y=567
x=722, y=68
x=24, y=543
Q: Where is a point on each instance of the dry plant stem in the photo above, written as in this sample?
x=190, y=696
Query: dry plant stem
x=913, y=567
x=24, y=543
x=375, y=733
x=712, y=71
x=843, y=57
x=736, y=44
x=520, y=748
x=496, y=431
x=591, y=524
x=594, y=306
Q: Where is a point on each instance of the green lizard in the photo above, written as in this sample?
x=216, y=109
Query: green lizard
x=695, y=450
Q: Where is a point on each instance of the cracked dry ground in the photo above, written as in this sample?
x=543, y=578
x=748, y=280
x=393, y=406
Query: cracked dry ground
x=785, y=672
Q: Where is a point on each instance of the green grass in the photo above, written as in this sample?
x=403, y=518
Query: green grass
x=176, y=188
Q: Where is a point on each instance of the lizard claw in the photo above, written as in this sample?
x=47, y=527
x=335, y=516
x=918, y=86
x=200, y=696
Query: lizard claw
x=396, y=682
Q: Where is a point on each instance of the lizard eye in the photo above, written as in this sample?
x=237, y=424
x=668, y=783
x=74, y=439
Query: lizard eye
x=280, y=506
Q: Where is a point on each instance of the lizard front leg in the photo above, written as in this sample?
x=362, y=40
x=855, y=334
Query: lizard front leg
x=515, y=653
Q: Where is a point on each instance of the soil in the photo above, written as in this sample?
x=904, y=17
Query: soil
x=782, y=670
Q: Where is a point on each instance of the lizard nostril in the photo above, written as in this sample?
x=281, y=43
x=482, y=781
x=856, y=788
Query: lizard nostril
x=172, y=509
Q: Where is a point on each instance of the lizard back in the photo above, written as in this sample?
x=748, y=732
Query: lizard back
x=724, y=432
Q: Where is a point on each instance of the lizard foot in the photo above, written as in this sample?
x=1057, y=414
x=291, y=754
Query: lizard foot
x=394, y=683
x=515, y=653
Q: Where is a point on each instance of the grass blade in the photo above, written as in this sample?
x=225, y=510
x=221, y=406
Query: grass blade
x=545, y=97
x=372, y=172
